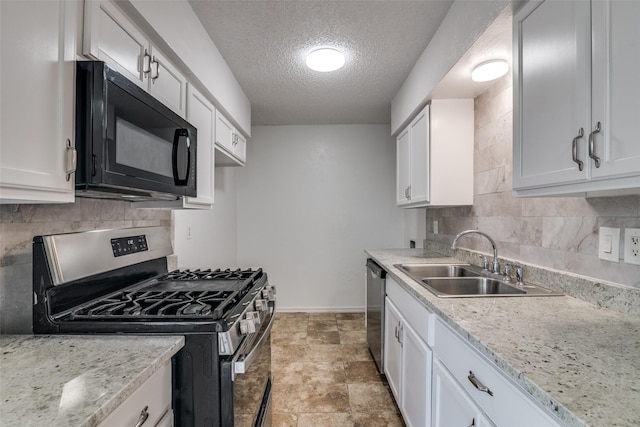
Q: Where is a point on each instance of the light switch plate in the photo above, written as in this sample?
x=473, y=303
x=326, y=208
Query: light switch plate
x=632, y=246
x=609, y=246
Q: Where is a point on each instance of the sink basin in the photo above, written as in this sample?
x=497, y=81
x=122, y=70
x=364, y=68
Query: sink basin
x=461, y=281
x=471, y=286
x=436, y=270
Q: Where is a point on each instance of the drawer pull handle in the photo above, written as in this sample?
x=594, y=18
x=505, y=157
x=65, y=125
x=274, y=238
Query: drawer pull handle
x=477, y=384
x=143, y=417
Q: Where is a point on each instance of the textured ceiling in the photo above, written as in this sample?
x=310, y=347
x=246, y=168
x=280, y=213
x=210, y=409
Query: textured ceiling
x=265, y=43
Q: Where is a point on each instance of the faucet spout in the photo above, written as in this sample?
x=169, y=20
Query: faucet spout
x=496, y=266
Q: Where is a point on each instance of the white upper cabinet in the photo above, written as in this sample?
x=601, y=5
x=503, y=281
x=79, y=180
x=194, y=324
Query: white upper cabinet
x=37, y=76
x=110, y=36
x=435, y=156
x=576, y=97
x=230, y=144
x=202, y=114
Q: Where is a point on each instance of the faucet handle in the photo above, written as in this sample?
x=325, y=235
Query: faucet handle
x=519, y=273
x=507, y=271
x=485, y=262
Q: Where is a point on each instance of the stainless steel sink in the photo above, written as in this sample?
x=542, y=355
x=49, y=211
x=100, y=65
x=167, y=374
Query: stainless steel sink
x=462, y=281
x=471, y=286
x=437, y=270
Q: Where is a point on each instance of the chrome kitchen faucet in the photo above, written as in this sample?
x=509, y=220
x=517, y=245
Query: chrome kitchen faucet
x=496, y=266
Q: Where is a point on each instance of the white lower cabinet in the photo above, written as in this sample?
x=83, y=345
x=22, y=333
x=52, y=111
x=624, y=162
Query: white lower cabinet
x=503, y=401
x=407, y=357
x=439, y=380
x=452, y=407
x=149, y=405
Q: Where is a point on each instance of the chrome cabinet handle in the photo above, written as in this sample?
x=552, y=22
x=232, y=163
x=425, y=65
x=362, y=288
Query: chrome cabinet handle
x=143, y=417
x=72, y=158
x=575, y=149
x=146, y=63
x=155, y=66
x=477, y=384
x=592, y=153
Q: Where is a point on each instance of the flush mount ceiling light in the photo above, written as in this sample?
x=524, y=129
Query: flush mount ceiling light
x=325, y=59
x=489, y=70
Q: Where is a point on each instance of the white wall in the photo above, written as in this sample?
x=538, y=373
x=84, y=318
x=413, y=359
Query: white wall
x=213, y=242
x=310, y=200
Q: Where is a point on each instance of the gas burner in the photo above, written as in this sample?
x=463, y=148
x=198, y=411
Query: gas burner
x=209, y=274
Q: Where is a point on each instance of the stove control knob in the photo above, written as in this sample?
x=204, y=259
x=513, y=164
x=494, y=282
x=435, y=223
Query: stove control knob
x=247, y=326
x=255, y=316
x=268, y=293
x=261, y=305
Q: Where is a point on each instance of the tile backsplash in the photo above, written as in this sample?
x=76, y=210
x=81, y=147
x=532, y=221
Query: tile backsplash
x=558, y=233
x=18, y=225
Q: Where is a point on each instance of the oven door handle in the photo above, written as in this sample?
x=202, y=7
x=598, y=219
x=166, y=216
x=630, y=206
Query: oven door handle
x=242, y=361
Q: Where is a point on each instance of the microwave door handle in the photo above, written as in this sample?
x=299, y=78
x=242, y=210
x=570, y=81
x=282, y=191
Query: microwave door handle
x=174, y=158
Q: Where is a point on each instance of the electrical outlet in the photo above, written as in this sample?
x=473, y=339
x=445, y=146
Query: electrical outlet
x=632, y=246
x=435, y=226
x=188, y=231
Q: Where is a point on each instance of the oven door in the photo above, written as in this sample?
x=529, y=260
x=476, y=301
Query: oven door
x=246, y=381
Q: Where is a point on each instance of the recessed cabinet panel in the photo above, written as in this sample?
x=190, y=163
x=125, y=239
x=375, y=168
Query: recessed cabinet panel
x=451, y=405
x=403, y=158
x=420, y=165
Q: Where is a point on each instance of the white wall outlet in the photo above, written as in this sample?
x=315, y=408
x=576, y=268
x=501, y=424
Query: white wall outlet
x=609, y=246
x=188, y=231
x=435, y=226
x=632, y=246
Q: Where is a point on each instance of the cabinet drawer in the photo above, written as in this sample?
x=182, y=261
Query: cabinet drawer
x=508, y=405
x=154, y=394
x=417, y=315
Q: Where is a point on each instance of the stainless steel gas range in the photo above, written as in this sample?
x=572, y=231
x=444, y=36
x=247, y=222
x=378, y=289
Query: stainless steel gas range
x=116, y=282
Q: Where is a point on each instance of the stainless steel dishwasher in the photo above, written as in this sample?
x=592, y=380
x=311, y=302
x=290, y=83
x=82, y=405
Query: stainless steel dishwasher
x=375, y=312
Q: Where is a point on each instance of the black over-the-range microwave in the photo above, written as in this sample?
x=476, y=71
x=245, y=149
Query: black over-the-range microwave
x=130, y=145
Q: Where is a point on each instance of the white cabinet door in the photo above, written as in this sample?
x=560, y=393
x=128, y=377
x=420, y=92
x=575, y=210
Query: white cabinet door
x=403, y=167
x=167, y=84
x=230, y=145
x=240, y=149
x=392, y=348
x=202, y=114
x=111, y=37
x=416, y=378
x=552, y=103
x=616, y=92
x=451, y=405
x=420, y=167
x=37, y=77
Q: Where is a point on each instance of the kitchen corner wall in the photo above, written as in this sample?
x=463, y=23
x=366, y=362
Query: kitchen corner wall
x=20, y=223
x=559, y=233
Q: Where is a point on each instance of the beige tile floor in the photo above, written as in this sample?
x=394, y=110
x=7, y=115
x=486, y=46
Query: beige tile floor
x=324, y=376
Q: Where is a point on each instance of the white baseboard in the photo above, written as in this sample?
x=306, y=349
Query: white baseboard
x=320, y=309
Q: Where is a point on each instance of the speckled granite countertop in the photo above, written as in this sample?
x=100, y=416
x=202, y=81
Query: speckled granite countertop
x=579, y=361
x=61, y=380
